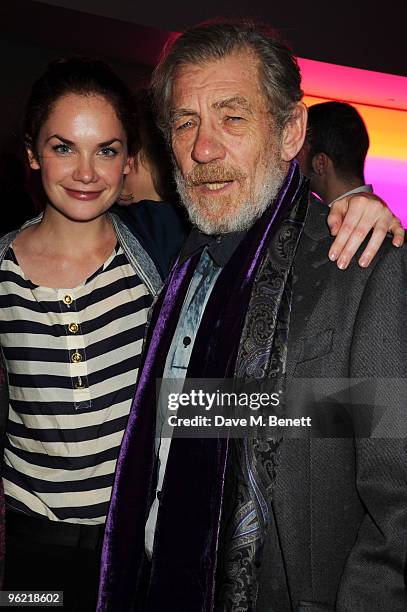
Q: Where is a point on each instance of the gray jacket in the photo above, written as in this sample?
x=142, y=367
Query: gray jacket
x=339, y=535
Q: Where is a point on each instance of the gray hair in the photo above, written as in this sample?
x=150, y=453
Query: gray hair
x=279, y=73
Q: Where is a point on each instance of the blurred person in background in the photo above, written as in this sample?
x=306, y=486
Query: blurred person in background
x=148, y=202
x=151, y=176
x=334, y=152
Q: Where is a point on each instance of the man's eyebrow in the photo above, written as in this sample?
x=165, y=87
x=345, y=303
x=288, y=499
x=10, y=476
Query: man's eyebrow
x=178, y=113
x=234, y=102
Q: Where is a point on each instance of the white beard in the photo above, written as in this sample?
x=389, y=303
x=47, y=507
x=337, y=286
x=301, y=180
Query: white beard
x=205, y=214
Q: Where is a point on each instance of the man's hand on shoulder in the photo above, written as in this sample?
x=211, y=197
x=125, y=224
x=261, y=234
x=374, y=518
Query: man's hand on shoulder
x=352, y=218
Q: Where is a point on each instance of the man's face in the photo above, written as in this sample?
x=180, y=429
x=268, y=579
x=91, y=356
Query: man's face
x=225, y=144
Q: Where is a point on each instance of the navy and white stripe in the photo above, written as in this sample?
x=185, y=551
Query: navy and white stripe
x=72, y=357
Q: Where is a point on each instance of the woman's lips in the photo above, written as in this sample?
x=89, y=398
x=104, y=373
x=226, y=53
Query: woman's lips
x=83, y=195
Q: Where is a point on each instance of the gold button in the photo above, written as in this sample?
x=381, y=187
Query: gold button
x=81, y=384
x=68, y=299
x=73, y=328
x=76, y=357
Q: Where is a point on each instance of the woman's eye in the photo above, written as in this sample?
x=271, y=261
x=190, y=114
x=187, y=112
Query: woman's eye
x=62, y=148
x=108, y=152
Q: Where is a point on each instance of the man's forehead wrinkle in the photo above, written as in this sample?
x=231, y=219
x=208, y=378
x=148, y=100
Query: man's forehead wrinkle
x=226, y=101
x=228, y=84
x=246, y=57
x=233, y=102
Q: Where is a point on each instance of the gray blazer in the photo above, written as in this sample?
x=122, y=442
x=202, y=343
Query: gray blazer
x=339, y=537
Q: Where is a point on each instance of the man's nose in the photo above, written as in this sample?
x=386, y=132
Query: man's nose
x=207, y=145
x=85, y=170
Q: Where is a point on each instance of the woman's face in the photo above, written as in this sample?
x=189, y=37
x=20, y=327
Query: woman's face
x=82, y=154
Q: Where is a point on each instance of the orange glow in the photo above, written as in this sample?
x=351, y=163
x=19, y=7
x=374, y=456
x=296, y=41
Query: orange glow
x=322, y=79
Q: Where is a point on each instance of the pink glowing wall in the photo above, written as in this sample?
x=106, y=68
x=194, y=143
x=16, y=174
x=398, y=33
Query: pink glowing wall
x=381, y=99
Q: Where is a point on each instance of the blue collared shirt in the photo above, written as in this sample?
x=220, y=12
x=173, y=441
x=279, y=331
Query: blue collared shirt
x=179, y=354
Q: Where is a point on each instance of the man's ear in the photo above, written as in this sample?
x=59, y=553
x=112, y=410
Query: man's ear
x=32, y=159
x=320, y=163
x=294, y=132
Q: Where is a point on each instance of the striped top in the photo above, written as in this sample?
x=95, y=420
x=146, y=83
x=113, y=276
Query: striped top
x=72, y=357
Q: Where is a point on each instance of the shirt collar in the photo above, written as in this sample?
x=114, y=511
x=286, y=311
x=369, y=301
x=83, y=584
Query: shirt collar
x=220, y=246
x=361, y=189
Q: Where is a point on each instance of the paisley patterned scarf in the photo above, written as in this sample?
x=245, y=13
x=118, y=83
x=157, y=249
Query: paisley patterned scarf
x=253, y=461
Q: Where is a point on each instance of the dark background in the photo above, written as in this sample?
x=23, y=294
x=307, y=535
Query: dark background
x=361, y=33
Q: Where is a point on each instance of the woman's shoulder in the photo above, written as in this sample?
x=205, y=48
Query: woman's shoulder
x=5, y=242
x=160, y=227
x=7, y=239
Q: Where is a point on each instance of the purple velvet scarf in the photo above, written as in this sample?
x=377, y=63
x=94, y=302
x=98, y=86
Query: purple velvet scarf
x=182, y=574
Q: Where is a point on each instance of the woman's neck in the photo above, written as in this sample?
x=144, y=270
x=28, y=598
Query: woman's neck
x=61, y=253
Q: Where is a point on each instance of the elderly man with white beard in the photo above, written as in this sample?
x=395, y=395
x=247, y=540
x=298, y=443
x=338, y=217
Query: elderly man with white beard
x=258, y=523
